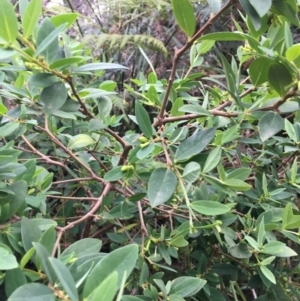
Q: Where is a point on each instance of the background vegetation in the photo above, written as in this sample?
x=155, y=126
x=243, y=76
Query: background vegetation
x=147, y=159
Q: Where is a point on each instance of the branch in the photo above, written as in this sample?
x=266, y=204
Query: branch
x=180, y=52
x=93, y=210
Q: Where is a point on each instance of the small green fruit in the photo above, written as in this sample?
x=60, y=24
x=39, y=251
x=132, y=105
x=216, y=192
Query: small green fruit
x=143, y=139
x=143, y=145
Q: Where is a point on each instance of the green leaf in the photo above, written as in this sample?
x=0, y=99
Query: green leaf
x=15, y=201
x=80, y=140
x=14, y=279
x=213, y=159
x=98, y=66
x=240, y=173
x=30, y=233
x=43, y=257
x=261, y=7
x=121, y=260
x=143, y=120
x=184, y=15
x=32, y=292
x=47, y=40
x=175, y=111
x=53, y=97
x=268, y=260
x=65, y=62
x=68, y=18
x=270, y=124
x=7, y=260
x=268, y=274
x=240, y=250
x=280, y=78
x=259, y=70
x=8, y=129
x=65, y=278
x=114, y=174
x=287, y=11
x=252, y=13
x=223, y=36
x=237, y=184
x=186, y=286
x=83, y=247
x=194, y=144
x=209, y=207
x=293, y=54
x=205, y=46
x=31, y=17
x=261, y=232
x=162, y=184
x=106, y=290
x=191, y=172
x=8, y=22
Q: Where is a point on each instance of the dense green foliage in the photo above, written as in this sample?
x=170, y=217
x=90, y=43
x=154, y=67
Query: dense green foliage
x=198, y=203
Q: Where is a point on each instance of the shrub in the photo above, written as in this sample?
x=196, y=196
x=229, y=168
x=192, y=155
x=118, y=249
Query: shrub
x=199, y=203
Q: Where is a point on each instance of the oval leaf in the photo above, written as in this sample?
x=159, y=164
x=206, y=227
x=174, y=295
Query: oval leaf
x=270, y=124
x=194, y=145
x=8, y=21
x=280, y=78
x=162, y=185
x=184, y=15
x=80, y=140
x=120, y=260
x=31, y=17
x=32, y=291
x=209, y=207
x=54, y=97
x=143, y=120
x=65, y=278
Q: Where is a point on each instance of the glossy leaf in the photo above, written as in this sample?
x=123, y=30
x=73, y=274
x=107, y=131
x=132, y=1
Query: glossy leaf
x=31, y=16
x=47, y=40
x=280, y=78
x=80, y=140
x=32, y=291
x=53, y=97
x=194, y=145
x=106, y=290
x=121, y=260
x=162, y=185
x=8, y=21
x=252, y=13
x=191, y=172
x=98, y=66
x=43, y=257
x=30, y=233
x=209, y=207
x=269, y=125
x=268, y=274
x=186, y=286
x=237, y=184
x=65, y=278
x=213, y=159
x=114, y=174
x=261, y=7
x=143, y=120
x=83, y=247
x=68, y=18
x=287, y=11
x=13, y=280
x=65, y=62
x=7, y=260
x=184, y=15
x=259, y=70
